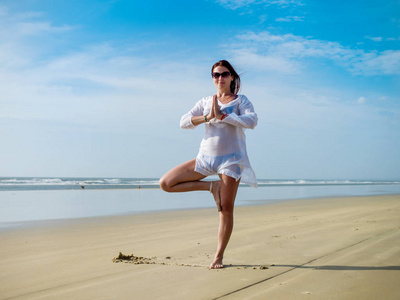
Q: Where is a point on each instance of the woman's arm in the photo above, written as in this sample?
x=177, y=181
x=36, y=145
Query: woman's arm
x=197, y=120
x=247, y=117
x=195, y=116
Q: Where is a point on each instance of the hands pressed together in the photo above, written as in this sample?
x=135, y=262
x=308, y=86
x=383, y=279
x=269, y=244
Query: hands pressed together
x=215, y=111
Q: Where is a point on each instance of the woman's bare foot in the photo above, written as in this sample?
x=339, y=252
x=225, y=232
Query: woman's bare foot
x=214, y=189
x=217, y=263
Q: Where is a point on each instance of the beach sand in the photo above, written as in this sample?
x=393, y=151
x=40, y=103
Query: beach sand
x=342, y=248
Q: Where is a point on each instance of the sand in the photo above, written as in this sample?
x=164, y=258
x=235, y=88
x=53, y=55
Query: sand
x=343, y=248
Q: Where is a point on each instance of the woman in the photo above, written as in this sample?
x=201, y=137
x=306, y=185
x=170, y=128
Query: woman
x=222, y=150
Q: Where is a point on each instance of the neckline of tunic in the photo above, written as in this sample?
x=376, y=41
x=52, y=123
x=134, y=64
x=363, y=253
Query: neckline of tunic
x=236, y=98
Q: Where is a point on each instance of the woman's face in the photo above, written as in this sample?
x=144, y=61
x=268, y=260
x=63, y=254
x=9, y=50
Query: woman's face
x=222, y=78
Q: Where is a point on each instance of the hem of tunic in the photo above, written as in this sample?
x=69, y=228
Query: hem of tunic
x=201, y=171
x=223, y=172
x=230, y=174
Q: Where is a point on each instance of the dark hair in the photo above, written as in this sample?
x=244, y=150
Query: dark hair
x=235, y=85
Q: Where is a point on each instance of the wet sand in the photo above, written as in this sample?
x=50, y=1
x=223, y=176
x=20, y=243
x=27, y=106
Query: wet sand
x=342, y=248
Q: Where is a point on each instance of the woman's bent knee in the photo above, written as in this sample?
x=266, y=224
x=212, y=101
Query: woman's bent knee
x=164, y=185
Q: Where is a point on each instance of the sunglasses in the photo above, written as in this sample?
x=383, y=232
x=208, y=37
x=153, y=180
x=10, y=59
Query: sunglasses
x=223, y=74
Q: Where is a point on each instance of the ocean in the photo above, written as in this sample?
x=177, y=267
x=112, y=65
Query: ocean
x=76, y=183
x=32, y=199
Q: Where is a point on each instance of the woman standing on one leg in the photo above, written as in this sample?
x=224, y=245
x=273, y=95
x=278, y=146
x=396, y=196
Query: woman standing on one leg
x=222, y=150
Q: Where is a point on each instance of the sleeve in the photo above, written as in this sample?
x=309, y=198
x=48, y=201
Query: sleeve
x=186, y=120
x=247, y=118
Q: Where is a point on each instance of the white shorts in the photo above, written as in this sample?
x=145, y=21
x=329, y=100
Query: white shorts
x=229, y=165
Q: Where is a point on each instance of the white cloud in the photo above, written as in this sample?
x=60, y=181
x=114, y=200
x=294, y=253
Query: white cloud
x=292, y=46
x=376, y=63
x=32, y=28
x=285, y=2
x=22, y=38
x=262, y=18
x=290, y=19
x=235, y=4
x=290, y=50
x=361, y=100
x=14, y=26
x=249, y=57
x=375, y=39
x=381, y=39
x=105, y=88
x=97, y=87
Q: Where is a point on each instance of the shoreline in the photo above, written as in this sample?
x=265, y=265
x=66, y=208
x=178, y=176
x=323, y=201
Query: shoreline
x=20, y=225
x=21, y=206
x=331, y=248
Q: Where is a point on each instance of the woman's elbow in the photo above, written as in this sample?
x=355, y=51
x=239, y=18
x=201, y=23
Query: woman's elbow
x=186, y=124
x=252, y=123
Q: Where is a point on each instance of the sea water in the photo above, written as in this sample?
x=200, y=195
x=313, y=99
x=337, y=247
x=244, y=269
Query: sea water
x=36, y=199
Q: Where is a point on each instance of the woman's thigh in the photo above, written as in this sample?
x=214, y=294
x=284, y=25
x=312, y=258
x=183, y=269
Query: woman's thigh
x=182, y=173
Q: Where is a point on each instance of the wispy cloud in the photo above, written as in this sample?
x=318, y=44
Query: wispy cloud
x=382, y=39
x=361, y=100
x=25, y=24
x=375, y=39
x=290, y=19
x=376, y=63
x=93, y=85
x=235, y=4
x=285, y=2
x=288, y=53
x=22, y=37
x=30, y=28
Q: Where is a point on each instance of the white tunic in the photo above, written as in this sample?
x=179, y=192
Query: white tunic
x=225, y=139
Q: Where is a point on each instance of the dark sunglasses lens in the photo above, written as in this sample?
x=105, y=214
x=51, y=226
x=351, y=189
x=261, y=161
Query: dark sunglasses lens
x=224, y=74
x=216, y=75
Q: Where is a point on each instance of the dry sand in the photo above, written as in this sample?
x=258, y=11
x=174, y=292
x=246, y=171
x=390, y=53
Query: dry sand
x=343, y=248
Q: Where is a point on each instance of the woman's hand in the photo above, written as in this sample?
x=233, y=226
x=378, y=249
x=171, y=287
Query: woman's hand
x=211, y=115
x=216, y=112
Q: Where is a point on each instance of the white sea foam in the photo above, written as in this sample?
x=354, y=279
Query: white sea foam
x=15, y=183
x=33, y=181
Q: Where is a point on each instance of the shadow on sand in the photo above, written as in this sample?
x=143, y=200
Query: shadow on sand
x=342, y=268
x=262, y=267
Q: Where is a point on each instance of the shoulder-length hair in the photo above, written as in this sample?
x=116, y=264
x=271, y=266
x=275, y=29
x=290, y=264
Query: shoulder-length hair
x=235, y=84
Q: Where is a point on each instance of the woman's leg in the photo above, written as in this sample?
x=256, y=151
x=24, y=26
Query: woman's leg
x=184, y=178
x=228, y=190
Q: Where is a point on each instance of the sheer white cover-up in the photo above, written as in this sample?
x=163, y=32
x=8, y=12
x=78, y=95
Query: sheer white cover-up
x=224, y=141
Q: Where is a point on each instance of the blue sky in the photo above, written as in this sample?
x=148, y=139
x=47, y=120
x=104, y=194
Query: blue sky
x=97, y=88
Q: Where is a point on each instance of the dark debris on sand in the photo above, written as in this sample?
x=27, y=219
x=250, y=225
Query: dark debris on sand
x=137, y=260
